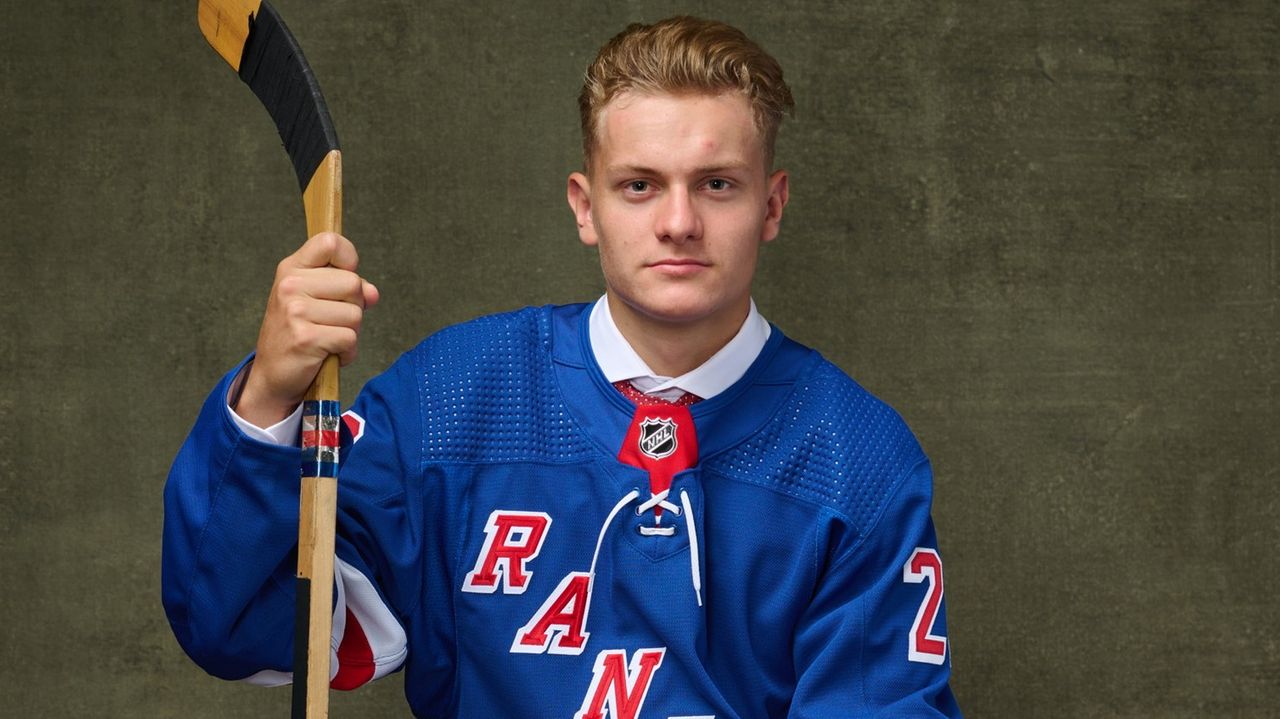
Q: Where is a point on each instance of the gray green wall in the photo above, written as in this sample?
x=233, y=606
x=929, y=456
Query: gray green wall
x=1045, y=231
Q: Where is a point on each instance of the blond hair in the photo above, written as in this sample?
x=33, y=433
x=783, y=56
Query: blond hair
x=685, y=55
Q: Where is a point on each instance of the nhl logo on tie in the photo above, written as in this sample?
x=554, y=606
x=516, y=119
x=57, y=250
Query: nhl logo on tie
x=658, y=438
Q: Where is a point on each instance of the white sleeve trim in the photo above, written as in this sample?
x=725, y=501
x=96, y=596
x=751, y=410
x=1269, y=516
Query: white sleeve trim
x=387, y=640
x=269, y=678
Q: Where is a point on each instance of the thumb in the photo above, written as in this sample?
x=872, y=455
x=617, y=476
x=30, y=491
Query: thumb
x=370, y=292
x=326, y=249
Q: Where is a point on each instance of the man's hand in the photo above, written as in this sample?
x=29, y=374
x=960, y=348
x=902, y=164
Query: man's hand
x=315, y=309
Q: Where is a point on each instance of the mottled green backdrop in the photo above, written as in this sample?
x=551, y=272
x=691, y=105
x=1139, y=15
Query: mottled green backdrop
x=1045, y=231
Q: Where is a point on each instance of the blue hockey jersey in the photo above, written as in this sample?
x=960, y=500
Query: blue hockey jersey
x=497, y=551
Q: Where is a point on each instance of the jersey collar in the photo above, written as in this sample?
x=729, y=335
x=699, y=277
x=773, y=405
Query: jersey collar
x=619, y=361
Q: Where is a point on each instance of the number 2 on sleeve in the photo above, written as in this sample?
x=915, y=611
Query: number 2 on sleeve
x=924, y=645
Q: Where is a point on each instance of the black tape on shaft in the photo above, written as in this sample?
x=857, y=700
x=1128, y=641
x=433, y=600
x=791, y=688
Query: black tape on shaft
x=273, y=67
x=301, y=638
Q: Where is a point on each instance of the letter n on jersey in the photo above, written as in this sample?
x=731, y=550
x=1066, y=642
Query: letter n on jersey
x=511, y=540
x=621, y=687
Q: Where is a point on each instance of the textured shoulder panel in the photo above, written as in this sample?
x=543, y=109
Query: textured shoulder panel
x=489, y=393
x=831, y=443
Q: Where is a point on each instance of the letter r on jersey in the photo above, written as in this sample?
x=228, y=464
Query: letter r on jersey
x=512, y=539
x=621, y=687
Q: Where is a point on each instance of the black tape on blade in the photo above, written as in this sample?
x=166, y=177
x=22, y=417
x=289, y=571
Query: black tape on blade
x=273, y=67
x=301, y=638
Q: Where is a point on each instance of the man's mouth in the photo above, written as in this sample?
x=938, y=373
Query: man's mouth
x=678, y=262
x=679, y=267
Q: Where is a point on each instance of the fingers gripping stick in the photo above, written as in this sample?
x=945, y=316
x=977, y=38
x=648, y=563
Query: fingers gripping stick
x=252, y=38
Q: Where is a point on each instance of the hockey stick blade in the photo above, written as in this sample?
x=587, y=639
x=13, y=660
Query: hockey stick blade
x=255, y=42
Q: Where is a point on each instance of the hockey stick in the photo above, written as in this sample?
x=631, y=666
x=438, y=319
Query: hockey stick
x=252, y=38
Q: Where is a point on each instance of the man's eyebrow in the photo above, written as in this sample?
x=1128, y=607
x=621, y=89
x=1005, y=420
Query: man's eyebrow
x=625, y=169
x=721, y=167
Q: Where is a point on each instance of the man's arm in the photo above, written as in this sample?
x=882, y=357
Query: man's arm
x=231, y=531
x=231, y=502
x=230, y=524
x=873, y=642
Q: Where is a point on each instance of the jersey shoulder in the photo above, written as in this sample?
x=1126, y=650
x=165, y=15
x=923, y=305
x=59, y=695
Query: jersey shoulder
x=488, y=392
x=831, y=443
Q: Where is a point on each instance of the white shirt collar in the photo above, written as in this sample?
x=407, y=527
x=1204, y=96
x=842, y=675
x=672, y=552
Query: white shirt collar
x=618, y=361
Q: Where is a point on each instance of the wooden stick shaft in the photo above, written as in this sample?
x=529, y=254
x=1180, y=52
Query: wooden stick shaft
x=318, y=504
x=252, y=38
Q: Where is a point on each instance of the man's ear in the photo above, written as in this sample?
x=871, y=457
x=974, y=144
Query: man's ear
x=579, y=195
x=774, y=206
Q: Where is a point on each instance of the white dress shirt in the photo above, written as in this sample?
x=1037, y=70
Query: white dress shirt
x=619, y=361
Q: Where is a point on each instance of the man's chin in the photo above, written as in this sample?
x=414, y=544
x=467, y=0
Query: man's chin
x=678, y=314
x=674, y=310
x=676, y=307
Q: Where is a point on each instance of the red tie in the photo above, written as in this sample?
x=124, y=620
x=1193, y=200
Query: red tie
x=637, y=397
x=661, y=438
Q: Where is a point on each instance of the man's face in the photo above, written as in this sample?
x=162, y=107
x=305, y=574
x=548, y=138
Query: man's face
x=678, y=202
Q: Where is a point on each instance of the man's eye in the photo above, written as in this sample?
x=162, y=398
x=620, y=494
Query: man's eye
x=717, y=184
x=637, y=186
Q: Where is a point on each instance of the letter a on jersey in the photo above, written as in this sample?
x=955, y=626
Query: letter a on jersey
x=563, y=615
x=620, y=687
x=511, y=540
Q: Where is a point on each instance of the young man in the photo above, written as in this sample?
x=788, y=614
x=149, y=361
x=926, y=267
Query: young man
x=655, y=506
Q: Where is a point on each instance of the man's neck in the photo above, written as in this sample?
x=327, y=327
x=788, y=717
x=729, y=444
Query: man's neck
x=674, y=348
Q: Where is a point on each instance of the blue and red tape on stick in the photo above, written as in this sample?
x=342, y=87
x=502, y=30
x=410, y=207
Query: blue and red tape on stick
x=320, y=438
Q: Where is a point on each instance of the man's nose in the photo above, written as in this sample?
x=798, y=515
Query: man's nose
x=678, y=220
